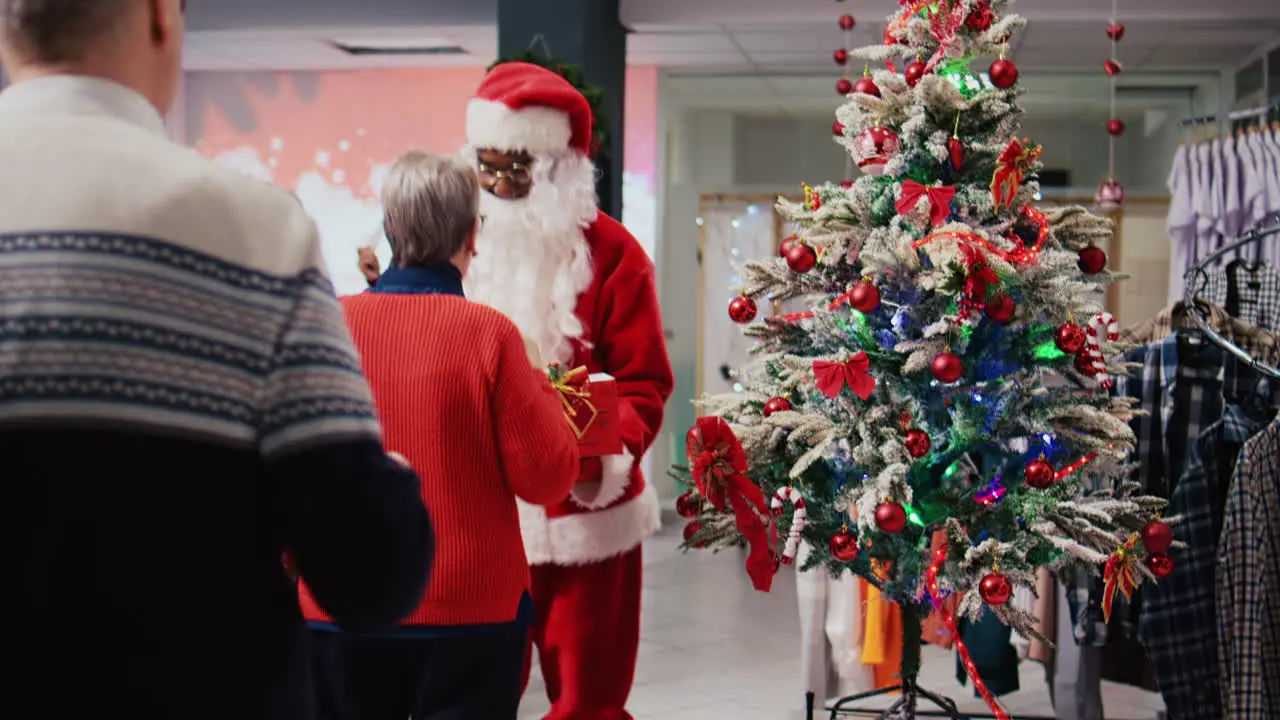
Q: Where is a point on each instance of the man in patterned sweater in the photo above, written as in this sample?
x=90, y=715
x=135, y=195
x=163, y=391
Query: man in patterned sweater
x=180, y=401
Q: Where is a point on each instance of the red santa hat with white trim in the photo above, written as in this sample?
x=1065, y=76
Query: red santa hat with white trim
x=521, y=106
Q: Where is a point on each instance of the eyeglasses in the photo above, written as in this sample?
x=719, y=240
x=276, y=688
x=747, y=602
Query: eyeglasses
x=517, y=174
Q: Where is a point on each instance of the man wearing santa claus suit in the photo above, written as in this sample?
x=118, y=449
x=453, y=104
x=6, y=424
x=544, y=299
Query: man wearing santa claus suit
x=583, y=289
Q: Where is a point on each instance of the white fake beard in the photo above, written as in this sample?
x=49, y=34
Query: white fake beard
x=533, y=259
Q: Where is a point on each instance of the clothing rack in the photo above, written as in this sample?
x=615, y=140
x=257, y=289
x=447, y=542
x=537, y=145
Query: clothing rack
x=1197, y=277
x=1250, y=113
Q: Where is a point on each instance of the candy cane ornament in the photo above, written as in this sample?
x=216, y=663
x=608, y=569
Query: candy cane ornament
x=1102, y=323
x=798, y=520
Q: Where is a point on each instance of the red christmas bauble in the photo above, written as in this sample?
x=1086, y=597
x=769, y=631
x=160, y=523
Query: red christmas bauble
x=1159, y=564
x=1115, y=126
x=1038, y=474
x=874, y=147
x=786, y=559
x=841, y=56
x=1112, y=68
x=787, y=242
x=1157, y=537
x=844, y=546
x=1110, y=194
x=981, y=18
x=913, y=72
x=1003, y=73
x=995, y=589
x=691, y=529
x=917, y=443
x=847, y=22
x=837, y=128
x=843, y=86
x=776, y=405
x=742, y=309
x=1084, y=364
x=1069, y=338
x=955, y=150
x=1115, y=32
x=867, y=86
x=801, y=258
x=890, y=517
x=688, y=506
x=1001, y=309
x=846, y=184
x=1092, y=260
x=947, y=367
x=864, y=297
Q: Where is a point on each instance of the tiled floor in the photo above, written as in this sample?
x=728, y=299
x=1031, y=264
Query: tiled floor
x=714, y=649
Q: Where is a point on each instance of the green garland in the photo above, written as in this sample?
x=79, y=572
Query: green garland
x=593, y=93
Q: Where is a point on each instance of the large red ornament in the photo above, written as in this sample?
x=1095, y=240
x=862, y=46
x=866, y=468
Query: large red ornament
x=917, y=443
x=947, y=367
x=688, y=506
x=1092, y=260
x=890, y=517
x=1115, y=126
x=955, y=150
x=1001, y=309
x=801, y=258
x=1039, y=474
x=776, y=405
x=787, y=242
x=913, y=72
x=995, y=589
x=864, y=297
x=1069, y=338
x=691, y=530
x=844, y=546
x=1003, y=73
x=1157, y=537
x=981, y=18
x=847, y=22
x=841, y=56
x=1110, y=194
x=867, y=86
x=742, y=310
x=1159, y=564
x=843, y=86
x=1112, y=68
x=874, y=147
x=1115, y=32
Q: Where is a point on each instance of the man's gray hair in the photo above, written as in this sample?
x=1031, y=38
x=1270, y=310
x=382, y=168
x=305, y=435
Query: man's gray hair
x=61, y=31
x=429, y=208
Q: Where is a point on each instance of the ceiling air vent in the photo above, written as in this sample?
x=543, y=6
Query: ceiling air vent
x=374, y=47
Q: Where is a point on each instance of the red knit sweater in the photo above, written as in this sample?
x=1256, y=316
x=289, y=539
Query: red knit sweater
x=459, y=400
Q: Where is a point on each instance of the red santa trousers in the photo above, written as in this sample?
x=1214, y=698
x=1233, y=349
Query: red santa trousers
x=587, y=633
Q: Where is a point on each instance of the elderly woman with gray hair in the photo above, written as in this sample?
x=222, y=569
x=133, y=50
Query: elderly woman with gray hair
x=463, y=397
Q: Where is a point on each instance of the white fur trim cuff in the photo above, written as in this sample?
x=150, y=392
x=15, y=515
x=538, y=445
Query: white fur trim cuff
x=535, y=129
x=589, y=537
x=613, y=482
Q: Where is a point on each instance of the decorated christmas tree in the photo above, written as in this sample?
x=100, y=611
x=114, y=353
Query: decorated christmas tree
x=953, y=369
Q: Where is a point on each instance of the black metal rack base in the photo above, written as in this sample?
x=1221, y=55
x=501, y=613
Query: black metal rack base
x=904, y=707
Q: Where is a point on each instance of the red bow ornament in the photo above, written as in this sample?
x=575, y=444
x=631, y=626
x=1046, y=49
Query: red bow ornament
x=1011, y=167
x=832, y=377
x=979, y=277
x=718, y=464
x=940, y=198
x=1118, y=574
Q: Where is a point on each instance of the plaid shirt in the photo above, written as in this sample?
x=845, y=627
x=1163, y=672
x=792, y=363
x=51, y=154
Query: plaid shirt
x=1176, y=623
x=1248, y=584
x=1249, y=293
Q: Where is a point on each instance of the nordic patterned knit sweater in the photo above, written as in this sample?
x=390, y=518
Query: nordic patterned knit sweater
x=180, y=405
x=458, y=398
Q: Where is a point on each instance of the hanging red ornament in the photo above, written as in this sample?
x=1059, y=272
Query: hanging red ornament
x=1115, y=32
x=1092, y=260
x=801, y=258
x=891, y=517
x=742, y=310
x=1159, y=564
x=995, y=589
x=947, y=367
x=691, y=530
x=1003, y=73
x=867, y=86
x=847, y=22
x=913, y=72
x=864, y=297
x=917, y=443
x=843, y=86
x=955, y=149
x=1039, y=474
x=874, y=147
x=1110, y=194
x=1112, y=68
x=787, y=242
x=841, y=56
x=844, y=546
x=837, y=128
x=1115, y=126
x=688, y=506
x=776, y=405
x=846, y=184
x=1001, y=309
x=1069, y=338
x=1157, y=537
x=981, y=17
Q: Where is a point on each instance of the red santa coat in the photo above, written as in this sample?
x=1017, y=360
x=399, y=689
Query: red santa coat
x=612, y=509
